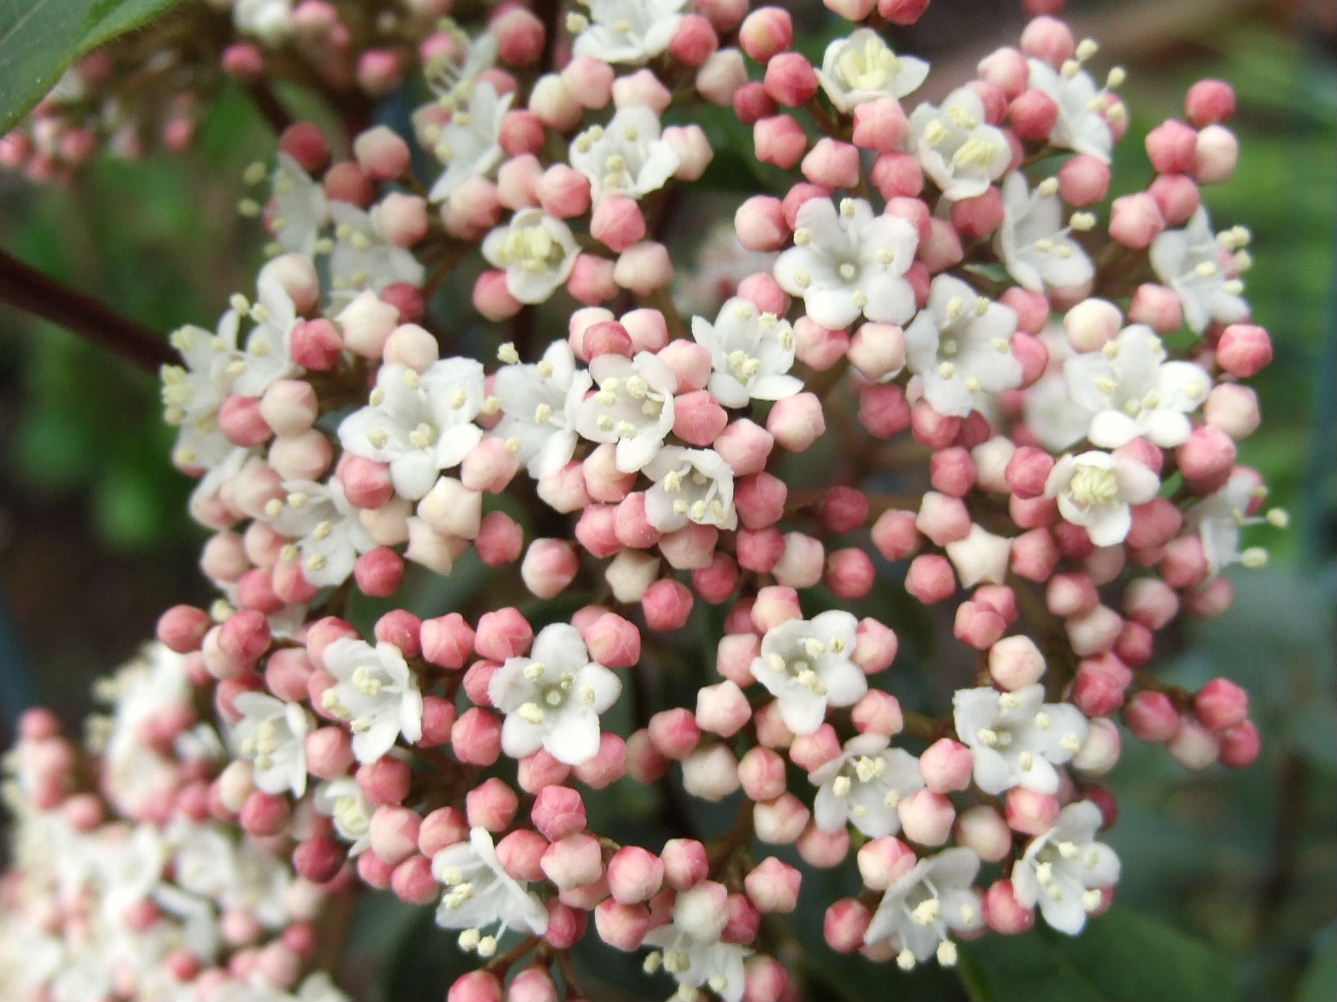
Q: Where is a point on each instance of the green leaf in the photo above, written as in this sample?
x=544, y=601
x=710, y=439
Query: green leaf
x=1319, y=983
x=1122, y=957
x=39, y=38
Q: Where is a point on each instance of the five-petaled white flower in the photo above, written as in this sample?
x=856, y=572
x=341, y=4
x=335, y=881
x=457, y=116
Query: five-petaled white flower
x=538, y=404
x=863, y=68
x=849, y=262
x=375, y=693
x=363, y=258
x=863, y=785
x=632, y=408
x=537, y=252
x=806, y=665
x=956, y=146
x=1033, y=242
x=420, y=424
x=1096, y=489
x=553, y=699
x=918, y=913
x=691, y=485
x=1200, y=270
x=626, y=156
x=300, y=209
x=1133, y=391
x=272, y=734
x=960, y=347
x=192, y=393
x=1016, y=737
x=345, y=802
x=1065, y=869
x=751, y=352
x=691, y=950
x=1081, y=124
x=626, y=31
x=470, y=143
x=1219, y=517
x=326, y=526
x=481, y=894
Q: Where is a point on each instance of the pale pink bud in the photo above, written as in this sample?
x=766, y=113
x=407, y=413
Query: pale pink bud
x=773, y=886
x=693, y=548
x=850, y=573
x=394, y=833
x=902, y=12
x=845, y=924
x=1216, y=155
x=316, y=344
x=347, y=182
x=634, y=875
x=1244, y=350
x=745, y=446
x=1092, y=324
x=1049, y=39
x=618, y=222
x=930, y=578
x=1177, y=196
x=926, y=817
x=720, y=76
x=795, y=422
x=306, y=144
x=550, y=565
x=695, y=40
x=760, y=224
x=318, y=859
x=895, y=535
x=1193, y=746
x=1207, y=458
x=1209, y=102
x=760, y=500
x=943, y=519
x=502, y=634
x=566, y=925
x=541, y=770
x=519, y=853
x=780, y=821
x=366, y=323
x=982, y=829
x=1221, y=704
x=1069, y=594
x=878, y=712
x=978, y=625
x=573, y=861
x=935, y=430
x=438, y=717
x=802, y=563
x=1006, y=69
x=472, y=209
x=641, y=88
x=443, y=827
x=622, y=926
x=554, y=103
x=265, y=813
x=762, y=774
x=1029, y=812
x=812, y=751
x=685, y=863
x=329, y=752
x=1093, y=631
x=385, y=781
x=947, y=766
x=832, y=164
x=522, y=133
x=1151, y=716
x=643, y=268
x=818, y=347
x=476, y=737
x=1136, y=220
x=779, y=140
x=674, y=733
x=1170, y=147
x=698, y=417
x=1241, y=746
x=182, y=628
x=1184, y=564
x=492, y=297
x=558, y=812
x=823, y=849
x=722, y=709
x=1083, y=180
x=1003, y=912
x=766, y=32
x=710, y=773
x=667, y=604
x=590, y=80
x=879, y=125
x=517, y=181
x=897, y=175
x=1100, y=752
x=1234, y=409
x=476, y=986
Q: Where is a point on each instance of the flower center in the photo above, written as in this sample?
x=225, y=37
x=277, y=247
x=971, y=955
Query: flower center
x=1094, y=485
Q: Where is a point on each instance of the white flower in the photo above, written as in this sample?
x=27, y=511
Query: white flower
x=864, y=785
x=470, y=143
x=633, y=407
x=375, y=692
x=267, y=356
x=344, y=801
x=195, y=391
x=691, y=485
x=1192, y=263
x=960, y=346
x=301, y=209
x=919, y=912
x=1081, y=124
x=272, y=734
x=1016, y=737
x=1065, y=869
x=1218, y=519
x=980, y=556
x=553, y=699
x=452, y=75
x=537, y=252
x=268, y=20
x=849, y=263
x=480, y=893
x=628, y=31
x=956, y=148
x=751, y=352
x=538, y=405
x=1033, y=242
x=419, y=424
x=362, y=258
x=691, y=950
x=863, y=68
x=626, y=156
x=329, y=533
x=1132, y=391
x=1095, y=489
x=806, y=665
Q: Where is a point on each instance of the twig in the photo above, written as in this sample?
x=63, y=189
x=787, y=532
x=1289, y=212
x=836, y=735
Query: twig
x=33, y=292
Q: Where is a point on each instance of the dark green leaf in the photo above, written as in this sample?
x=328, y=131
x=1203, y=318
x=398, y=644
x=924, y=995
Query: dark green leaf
x=1319, y=983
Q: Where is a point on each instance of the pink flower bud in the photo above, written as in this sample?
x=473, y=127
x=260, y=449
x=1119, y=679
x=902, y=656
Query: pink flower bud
x=1216, y=155
x=566, y=925
x=935, y=430
x=1083, y=181
x=1207, y=458
x=879, y=125
x=1092, y=324
x=1241, y=746
x=1070, y=594
x=558, y=812
x=878, y=712
x=695, y=40
x=182, y=628
x=1221, y=704
x=550, y=565
x=1177, y=196
x=897, y=175
x=1033, y=114
x=265, y=813
x=1003, y=912
x=641, y=88
x=850, y=573
x=643, y=268
x=795, y=422
x=1136, y=220
x=1244, y=350
x=760, y=500
x=812, y=751
x=802, y=563
x=752, y=104
x=685, y=863
x=1170, y=147
x=698, y=417
x=476, y=986
x=1184, y=564
x=926, y=817
x=385, y=781
x=766, y=32
x=394, y=833
x=883, y=861
x=845, y=924
x=1209, y=102
x=1193, y=746
x=618, y=222
x=930, y=578
x=1049, y=39
x=1093, y=631
x=760, y=224
x=780, y=139
x=472, y=209
x=773, y=886
x=947, y=766
x=491, y=805
x=1157, y=306
x=573, y=861
x=379, y=572
x=667, y=604
x=634, y=875
x=780, y=821
x=943, y=519
x=817, y=347
x=832, y=164
x=520, y=853
x=710, y=772
x=476, y=737
x=823, y=849
x=721, y=76
x=590, y=80
x=983, y=830
x=502, y=634
x=622, y=926
x=1029, y=812
x=1006, y=69
x=318, y=859
x=1234, y=409
x=722, y=709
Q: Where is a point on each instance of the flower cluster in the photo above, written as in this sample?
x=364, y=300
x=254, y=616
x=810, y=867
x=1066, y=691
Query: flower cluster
x=941, y=301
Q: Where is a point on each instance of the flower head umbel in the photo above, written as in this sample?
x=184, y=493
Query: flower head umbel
x=1096, y=489
x=1016, y=737
x=375, y=692
x=632, y=408
x=691, y=485
x=918, y=913
x=1064, y=870
x=863, y=68
x=272, y=734
x=627, y=31
x=480, y=894
x=863, y=786
x=807, y=665
x=960, y=347
x=1195, y=264
x=538, y=404
x=956, y=146
x=626, y=156
x=1033, y=242
x=690, y=947
x=847, y=262
x=751, y=352
x=536, y=251
x=552, y=700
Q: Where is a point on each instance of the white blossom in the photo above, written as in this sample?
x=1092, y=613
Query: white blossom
x=1200, y=270
x=1081, y=124
x=1065, y=869
x=272, y=734
x=349, y=807
x=552, y=700
x=329, y=533
x=1033, y=242
x=268, y=20
x=625, y=157
x=863, y=785
x=960, y=347
x=632, y=408
x=1016, y=737
x=363, y=258
x=1218, y=519
x=806, y=665
x=470, y=143
x=627, y=31
x=375, y=692
x=918, y=913
x=690, y=949
x=420, y=424
x=1133, y=391
x=267, y=355
x=980, y=557
x=751, y=353
x=481, y=894
x=862, y=68
x=691, y=485
x=956, y=146
x=849, y=263
x=301, y=209
x=538, y=404
x=1096, y=489
x=537, y=252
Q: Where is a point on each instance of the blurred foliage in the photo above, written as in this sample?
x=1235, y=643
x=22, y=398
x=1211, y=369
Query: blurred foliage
x=1228, y=877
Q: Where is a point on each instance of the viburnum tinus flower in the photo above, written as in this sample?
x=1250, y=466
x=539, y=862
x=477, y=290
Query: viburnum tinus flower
x=1218, y=518
x=375, y=693
x=300, y=208
x=691, y=485
x=625, y=157
x=538, y=403
x=751, y=352
x=329, y=535
x=1064, y=870
x=349, y=808
x=627, y=31
x=849, y=262
x=1016, y=737
x=633, y=407
x=1033, y=242
x=480, y=894
x=919, y=912
x=863, y=786
x=1095, y=490
x=806, y=665
x=1193, y=263
x=690, y=947
x=552, y=699
x=363, y=258
x=863, y=68
x=1081, y=126
x=957, y=147
x=272, y=734
x=536, y=251
x=470, y=143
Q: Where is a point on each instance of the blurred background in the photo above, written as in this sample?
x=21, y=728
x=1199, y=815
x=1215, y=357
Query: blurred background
x=95, y=542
